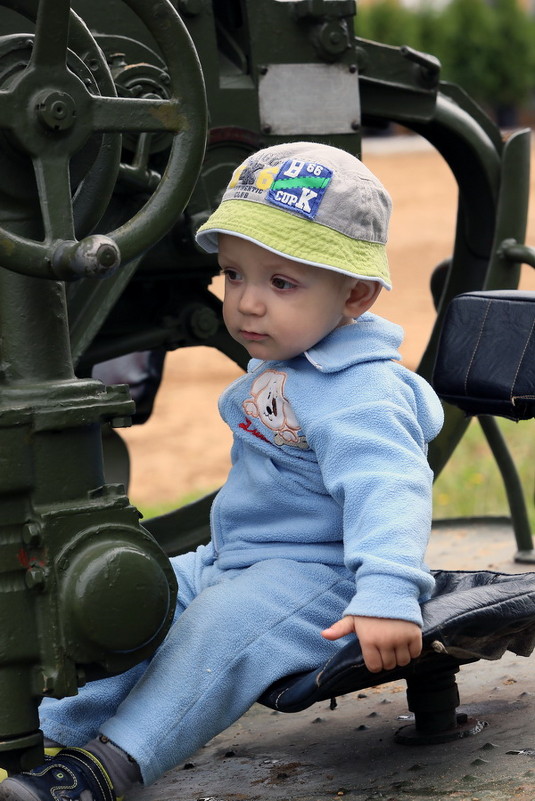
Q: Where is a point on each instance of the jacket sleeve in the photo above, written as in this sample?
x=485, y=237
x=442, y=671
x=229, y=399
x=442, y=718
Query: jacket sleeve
x=373, y=458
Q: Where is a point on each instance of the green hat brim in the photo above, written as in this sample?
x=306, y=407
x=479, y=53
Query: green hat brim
x=296, y=238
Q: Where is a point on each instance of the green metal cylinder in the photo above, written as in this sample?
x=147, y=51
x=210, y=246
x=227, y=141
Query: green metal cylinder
x=33, y=315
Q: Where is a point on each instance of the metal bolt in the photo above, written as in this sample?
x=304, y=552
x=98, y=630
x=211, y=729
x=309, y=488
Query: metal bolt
x=35, y=578
x=203, y=322
x=106, y=256
x=352, y=68
x=56, y=110
x=32, y=536
x=355, y=125
x=63, y=564
x=59, y=110
x=266, y=129
x=263, y=70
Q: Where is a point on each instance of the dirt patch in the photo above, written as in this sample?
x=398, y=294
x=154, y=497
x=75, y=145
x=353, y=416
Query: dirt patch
x=185, y=446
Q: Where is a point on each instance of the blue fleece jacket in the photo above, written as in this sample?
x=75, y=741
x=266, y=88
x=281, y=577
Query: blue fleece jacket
x=329, y=465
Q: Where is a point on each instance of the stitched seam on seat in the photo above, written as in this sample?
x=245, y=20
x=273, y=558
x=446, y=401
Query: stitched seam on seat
x=279, y=696
x=476, y=347
x=322, y=671
x=324, y=668
x=520, y=363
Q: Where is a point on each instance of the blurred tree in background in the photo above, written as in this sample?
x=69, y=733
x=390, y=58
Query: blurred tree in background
x=512, y=56
x=385, y=21
x=428, y=30
x=467, y=31
x=485, y=46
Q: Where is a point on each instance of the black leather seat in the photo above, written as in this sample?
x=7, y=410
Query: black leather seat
x=486, y=355
x=472, y=615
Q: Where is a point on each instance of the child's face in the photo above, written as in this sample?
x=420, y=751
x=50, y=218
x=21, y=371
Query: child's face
x=277, y=308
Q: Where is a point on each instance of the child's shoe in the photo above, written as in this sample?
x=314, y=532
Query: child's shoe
x=72, y=775
x=48, y=752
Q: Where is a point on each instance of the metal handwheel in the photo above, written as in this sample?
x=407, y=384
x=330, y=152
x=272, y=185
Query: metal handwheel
x=63, y=96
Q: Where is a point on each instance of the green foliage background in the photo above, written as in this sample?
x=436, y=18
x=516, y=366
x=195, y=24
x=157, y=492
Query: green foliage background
x=488, y=48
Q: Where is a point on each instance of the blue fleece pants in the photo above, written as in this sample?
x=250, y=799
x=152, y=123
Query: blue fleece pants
x=235, y=633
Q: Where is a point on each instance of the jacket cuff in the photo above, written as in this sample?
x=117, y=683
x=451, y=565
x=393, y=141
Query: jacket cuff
x=386, y=596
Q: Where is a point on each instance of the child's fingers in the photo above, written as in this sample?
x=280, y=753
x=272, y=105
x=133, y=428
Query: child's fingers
x=374, y=659
x=402, y=656
x=339, y=629
x=379, y=658
x=415, y=647
x=385, y=644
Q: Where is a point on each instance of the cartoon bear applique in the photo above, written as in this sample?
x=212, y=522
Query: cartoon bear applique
x=268, y=404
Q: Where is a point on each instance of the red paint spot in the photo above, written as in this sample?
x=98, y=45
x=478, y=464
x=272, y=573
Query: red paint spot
x=26, y=562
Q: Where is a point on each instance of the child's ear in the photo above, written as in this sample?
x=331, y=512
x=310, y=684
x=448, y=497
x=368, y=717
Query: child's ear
x=362, y=296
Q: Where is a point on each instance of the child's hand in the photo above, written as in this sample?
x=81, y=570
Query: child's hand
x=385, y=643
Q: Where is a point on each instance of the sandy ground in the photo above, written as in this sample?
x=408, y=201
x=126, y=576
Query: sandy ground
x=184, y=446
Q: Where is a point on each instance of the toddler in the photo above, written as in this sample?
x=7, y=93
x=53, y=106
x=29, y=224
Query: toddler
x=321, y=527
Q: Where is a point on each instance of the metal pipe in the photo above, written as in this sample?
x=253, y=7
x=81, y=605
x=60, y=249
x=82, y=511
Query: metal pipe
x=34, y=346
x=513, y=488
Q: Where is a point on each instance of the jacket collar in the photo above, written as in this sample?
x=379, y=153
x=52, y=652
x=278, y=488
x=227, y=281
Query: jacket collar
x=370, y=338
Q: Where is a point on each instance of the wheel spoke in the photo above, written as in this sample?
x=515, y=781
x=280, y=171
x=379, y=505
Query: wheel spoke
x=125, y=114
x=53, y=185
x=7, y=111
x=51, y=33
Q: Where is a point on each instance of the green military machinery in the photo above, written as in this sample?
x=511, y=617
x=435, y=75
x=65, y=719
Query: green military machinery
x=108, y=163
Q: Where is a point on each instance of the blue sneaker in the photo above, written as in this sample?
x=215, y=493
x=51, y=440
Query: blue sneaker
x=72, y=775
x=48, y=752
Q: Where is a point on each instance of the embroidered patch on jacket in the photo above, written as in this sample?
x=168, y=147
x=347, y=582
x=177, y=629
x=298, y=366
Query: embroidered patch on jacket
x=300, y=186
x=254, y=431
x=269, y=405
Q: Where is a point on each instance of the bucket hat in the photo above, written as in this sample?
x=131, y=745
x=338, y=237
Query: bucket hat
x=309, y=202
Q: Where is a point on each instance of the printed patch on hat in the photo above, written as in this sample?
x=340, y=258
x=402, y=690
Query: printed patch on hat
x=300, y=186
